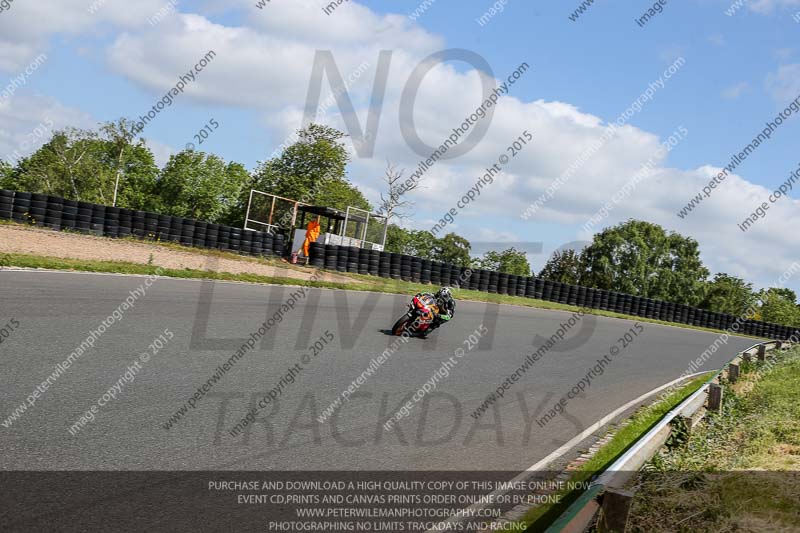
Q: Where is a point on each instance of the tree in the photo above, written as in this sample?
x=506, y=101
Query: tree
x=6, y=175
x=71, y=165
x=397, y=239
x=318, y=155
x=85, y=165
x=391, y=204
x=641, y=258
x=198, y=185
x=777, y=307
x=564, y=266
x=508, y=261
x=728, y=294
x=452, y=249
x=120, y=136
x=312, y=171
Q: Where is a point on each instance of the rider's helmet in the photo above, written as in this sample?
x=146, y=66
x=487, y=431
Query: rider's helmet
x=444, y=294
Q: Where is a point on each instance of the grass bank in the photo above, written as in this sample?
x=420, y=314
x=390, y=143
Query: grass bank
x=739, y=470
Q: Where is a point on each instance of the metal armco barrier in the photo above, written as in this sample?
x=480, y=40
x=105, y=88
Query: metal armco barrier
x=59, y=214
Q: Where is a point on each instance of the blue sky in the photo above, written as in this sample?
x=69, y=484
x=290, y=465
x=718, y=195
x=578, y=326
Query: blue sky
x=739, y=72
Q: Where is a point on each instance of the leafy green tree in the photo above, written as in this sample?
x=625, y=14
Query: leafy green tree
x=397, y=239
x=641, y=258
x=6, y=175
x=312, y=170
x=198, y=185
x=71, y=165
x=728, y=294
x=509, y=261
x=564, y=266
x=422, y=243
x=452, y=249
x=777, y=307
x=95, y=167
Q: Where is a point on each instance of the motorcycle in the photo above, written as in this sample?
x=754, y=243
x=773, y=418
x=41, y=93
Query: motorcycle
x=419, y=318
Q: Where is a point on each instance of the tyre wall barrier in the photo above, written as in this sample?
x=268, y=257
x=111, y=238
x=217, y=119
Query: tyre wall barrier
x=59, y=214
x=409, y=268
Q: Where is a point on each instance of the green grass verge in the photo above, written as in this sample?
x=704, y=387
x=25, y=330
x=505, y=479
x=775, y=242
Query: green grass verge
x=360, y=282
x=539, y=518
x=738, y=471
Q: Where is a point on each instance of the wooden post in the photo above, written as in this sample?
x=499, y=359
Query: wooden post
x=733, y=372
x=762, y=352
x=714, y=397
x=616, y=507
x=747, y=357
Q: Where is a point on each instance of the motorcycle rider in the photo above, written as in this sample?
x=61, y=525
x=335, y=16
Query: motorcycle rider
x=445, y=302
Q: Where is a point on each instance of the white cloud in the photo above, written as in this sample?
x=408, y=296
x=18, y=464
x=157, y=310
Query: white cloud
x=27, y=122
x=735, y=91
x=25, y=29
x=784, y=85
x=769, y=6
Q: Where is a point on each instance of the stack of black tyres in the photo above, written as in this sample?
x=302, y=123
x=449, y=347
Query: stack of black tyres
x=331, y=256
x=374, y=261
x=37, y=209
x=572, y=295
x=353, y=253
x=547, y=290
x=175, y=229
x=493, y=281
x=556, y=293
x=483, y=280
x=54, y=212
x=124, y=223
x=316, y=254
x=580, y=299
x=247, y=244
x=342, y=258
x=474, y=281
x=436, y=273
x=138, y=224
x=425, y=271
x=199, y=237
x=522, y=285
x=6, y=204
x=268, y=245
x=363, y=261
x=235, y=240
x=394, y=265
x=532, y=286
x=455, y=276
x=278, y=245
x=84, y=217
x=405, y=267
x=502, y=283
x=444, y=276
x=212, y=235
x=223, y=238
x=416, y=269
x=385, y=264
x=22, y=202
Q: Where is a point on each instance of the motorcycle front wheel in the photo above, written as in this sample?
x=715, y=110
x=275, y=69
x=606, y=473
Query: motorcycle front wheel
x=401, y=325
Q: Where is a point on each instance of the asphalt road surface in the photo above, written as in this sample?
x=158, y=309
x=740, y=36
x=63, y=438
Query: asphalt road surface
x=56, y=311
